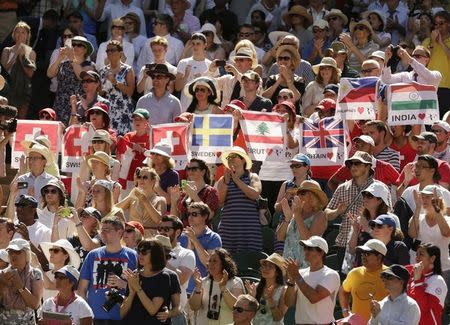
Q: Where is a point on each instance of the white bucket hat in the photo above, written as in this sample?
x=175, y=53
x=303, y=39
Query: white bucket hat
x=74, y=258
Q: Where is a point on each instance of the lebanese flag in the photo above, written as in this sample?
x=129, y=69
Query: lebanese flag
x=263, y=133
x=412, y=103
x=29, y=130
x=357, y=98
x=174, y=134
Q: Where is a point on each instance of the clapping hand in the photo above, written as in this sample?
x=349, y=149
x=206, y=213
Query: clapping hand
x=418, y=200
x=437, y=202
x=292, y=268
x=132, y=278
x=375, y=308
x=251, y=288
x=223, y=282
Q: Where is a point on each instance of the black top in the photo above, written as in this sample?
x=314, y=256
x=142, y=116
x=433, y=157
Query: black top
x=163, y=284
x=259, y=104
x=298, y=83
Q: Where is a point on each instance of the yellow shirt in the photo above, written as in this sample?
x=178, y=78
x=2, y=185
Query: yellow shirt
x=439, y=61
x=360, y=283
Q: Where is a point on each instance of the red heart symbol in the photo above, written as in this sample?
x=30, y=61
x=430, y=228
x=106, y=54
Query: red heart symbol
x=269, y=151
x=218, y=154
x=329, y=155
x=421, y=115
x=360, y=110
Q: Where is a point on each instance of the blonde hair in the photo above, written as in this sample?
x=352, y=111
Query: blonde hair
x=158, y=40
x=24, y=25
x=248, y=44
x=295, y=56
x=117, y=21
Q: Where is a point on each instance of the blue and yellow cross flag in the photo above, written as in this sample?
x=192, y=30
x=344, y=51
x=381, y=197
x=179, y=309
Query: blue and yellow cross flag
x=211, y=130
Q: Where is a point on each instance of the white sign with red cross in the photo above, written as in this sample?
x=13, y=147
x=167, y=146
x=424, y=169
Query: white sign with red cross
x=174, y=134
x=29, y=130
x=75, y=145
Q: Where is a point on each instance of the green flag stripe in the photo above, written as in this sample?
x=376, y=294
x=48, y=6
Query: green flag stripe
x=413, y=105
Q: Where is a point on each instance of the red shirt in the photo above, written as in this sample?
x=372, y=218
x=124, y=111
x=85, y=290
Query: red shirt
x=407, y=153
x=384, y=172
x=443, y=168
x=127, y=141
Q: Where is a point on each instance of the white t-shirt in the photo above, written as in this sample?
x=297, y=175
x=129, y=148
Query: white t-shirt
x=66, y=228
x=322, y=311
x=38, y=233
x=433, y=235
x=148, y=82
x=128, y=52
x=408, y=195
x=77, y=310
x=183, y=258
x=198, y=69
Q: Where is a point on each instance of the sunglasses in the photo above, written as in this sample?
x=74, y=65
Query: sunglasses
x=34, y=158
x=283, y=58
x=164, y=229
x=67, y=36
x=118, y=27
x=22, y=205
x=112, y=50
x=360, y=27
x=158, y=76
x=97, y=141
x=192, y=169
x=387, y=276
x=307, y=248
x=143, y=251
x=145, y=177
x=283, y=97
x=241, y=59
x=129, y=230
x=246, y=34
x=437, y=131
x=368, y=70
x=418, y=56
x=59, y=276
x=355, y=163
x=95, y=112
x=194, y=214
x=369, y=253
x=333, y=18
x=318, y=30
x=367, y=195
x=78, y=45
x=14, y=252
x=377, y=226
x=232, y=156
x=50, y=191
x=55, y=250
x=45, y=116
x=88, y=81
x=295, y=166
x=239, y=309
x=201, y=90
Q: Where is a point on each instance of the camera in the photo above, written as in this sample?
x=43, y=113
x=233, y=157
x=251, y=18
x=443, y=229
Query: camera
x=9, y=126
x=10, y=112
x=113, y=297
x=212, y=315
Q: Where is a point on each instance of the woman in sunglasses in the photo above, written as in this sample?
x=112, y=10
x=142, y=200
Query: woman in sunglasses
x=65, y=299
x=205, y=97
x=269, y=292
x=215, y=295
x=427, y=286
x=59, y=254
x=72, y=60
x=143, y=204
x=150, y=289
x=196, y=189
x=118, y=86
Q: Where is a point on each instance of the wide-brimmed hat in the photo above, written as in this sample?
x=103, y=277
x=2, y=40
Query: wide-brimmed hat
x=100, y=156
x=360, y=156
x=314, y=187
x=207, y=27
x=40, y=139
x=276, y=259
x=236, y=150
x=363, y=22
x=243, y=53
x=70, y=272
x=87, y=44
x=276, y=35
x=161, y=148
x=336, y=13
x=315, y=241
x=326, y=62
x=189, y=89
x=56, y=183
x=74, y=258
x=90, y=74
x=42, y=150
x=18, y=244
x=102, y=135
x=374, y=245
x=301, y=11
x=379, y=190
x=160, y=68
x=382, y=17
x=104, y=183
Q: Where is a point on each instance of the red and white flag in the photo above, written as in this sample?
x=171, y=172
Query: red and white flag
x=174, y=134
x=29, y=130
x=76, y=143
x=264, y=134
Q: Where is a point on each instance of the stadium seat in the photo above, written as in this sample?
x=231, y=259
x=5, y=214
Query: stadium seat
x=248, y=262
x=268, y=239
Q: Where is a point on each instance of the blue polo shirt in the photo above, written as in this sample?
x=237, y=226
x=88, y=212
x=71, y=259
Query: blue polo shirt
x=210, y=240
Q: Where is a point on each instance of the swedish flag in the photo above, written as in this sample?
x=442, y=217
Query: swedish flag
x=212, y=130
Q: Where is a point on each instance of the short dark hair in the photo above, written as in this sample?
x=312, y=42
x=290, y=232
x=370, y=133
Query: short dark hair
x=443, y=14
x=167, y=20
x=115, y=221
x=176, y=222
x=51, y=15
x=247, y=26
x=157, y=256
x=435, y=251
x=202, y=207
x=198, y=36
x=74, y=14
x=202, y=164
x=379, y=125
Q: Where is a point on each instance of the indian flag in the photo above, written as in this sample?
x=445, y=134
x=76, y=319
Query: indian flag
x=412, y=103
x=263, y=133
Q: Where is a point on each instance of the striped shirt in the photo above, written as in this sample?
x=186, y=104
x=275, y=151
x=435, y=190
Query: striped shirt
x=391, y=156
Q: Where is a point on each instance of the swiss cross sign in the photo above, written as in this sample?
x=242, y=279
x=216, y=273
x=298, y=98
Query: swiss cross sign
x=176, y=135
x=29, y=130
x=75, y=146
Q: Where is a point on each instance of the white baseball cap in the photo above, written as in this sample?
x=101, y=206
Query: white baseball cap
x=315, y=241
x=366, y=139
x=374, y=245
x=379, y=190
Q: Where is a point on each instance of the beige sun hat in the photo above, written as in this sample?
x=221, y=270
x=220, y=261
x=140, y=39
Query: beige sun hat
x=42, y=150
x=314, y=187
x=276, y=259
x=236, y=150
x=100, y=156
x=326, y=62
x=336, y=13
x=363, y=22
x=208, y=27
x=74, y=258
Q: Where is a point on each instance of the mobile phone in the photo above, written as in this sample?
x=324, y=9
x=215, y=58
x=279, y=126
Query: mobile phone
x=65, y=213
x=221, y=63
x=183, y=184
x=22, y=185
x=68, y=43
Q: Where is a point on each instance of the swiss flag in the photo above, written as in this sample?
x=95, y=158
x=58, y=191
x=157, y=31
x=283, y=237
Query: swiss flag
x=176, y=135
x=76, y=144
x=29, y=130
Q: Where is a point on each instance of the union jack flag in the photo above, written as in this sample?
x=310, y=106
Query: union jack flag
x=327, y=133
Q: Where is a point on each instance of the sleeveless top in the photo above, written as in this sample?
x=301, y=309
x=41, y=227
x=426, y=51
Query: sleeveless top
x=266, y=318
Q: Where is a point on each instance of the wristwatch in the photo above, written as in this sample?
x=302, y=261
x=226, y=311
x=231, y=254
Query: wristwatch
x=21, y=290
